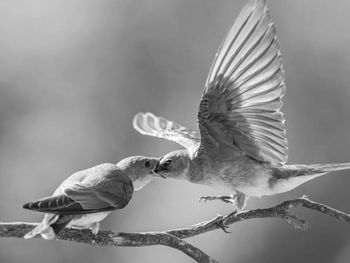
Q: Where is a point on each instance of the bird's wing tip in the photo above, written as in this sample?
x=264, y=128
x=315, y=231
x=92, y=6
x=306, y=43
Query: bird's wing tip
x=26, y=205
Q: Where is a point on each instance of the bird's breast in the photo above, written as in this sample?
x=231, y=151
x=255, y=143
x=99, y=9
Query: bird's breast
x=245, y=175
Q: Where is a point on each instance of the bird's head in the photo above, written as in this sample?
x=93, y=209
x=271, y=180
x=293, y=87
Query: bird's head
x=175, y=164
x=140, y=169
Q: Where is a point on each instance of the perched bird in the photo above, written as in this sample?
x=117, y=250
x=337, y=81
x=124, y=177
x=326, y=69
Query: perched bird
x=86, y=197
x=241, y=145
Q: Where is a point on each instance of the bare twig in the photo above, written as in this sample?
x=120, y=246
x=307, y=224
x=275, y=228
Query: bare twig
x=174, y=238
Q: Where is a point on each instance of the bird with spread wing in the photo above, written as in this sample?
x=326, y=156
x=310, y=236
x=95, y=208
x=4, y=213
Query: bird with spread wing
x=86, y=197
x=242, y=144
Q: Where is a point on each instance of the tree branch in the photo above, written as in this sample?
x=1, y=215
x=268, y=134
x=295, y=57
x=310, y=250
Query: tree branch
x=174, y=238
x=110, y=238
x=279, y=211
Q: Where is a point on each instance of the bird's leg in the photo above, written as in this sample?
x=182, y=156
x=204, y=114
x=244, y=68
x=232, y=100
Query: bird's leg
x=94, y=228
x=241, y=200
x=238, y=200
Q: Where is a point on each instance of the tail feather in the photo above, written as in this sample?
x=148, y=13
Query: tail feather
x=289, y=177
x=50, y=226
x=325, y=168
x=61, y=222
x=43, y=229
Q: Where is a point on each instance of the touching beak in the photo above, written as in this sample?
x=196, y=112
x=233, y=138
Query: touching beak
x=158, y=175
x=156, y=171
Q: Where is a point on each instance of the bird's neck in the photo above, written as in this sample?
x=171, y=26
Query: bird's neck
x=192, y=172
x=139, y=183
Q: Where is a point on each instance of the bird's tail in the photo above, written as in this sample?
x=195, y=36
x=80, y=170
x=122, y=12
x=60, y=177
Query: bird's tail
x=313, y=169
x=44, y=229
x=288, y=177
x=50, y=226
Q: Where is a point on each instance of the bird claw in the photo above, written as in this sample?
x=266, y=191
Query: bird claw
x=222, y=225
x=94, y=228
x=229, y=199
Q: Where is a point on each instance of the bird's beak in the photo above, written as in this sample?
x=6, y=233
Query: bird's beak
x=158, y=175
x=157, y=169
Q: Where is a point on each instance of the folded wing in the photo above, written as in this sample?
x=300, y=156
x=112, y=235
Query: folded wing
x=82, y=199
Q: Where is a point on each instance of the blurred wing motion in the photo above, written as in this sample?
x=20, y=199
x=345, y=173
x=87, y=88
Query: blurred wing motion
x=79, y=199
x=242, y=99
x=149, y=124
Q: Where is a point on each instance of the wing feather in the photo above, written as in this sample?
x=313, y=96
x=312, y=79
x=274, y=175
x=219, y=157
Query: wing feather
x=151, y=125
x=85, y=199
x=242, y=98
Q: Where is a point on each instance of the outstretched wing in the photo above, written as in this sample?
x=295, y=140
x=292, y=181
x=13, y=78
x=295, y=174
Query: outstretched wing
x=149, y=124
x=80, y=199
x=242, y=99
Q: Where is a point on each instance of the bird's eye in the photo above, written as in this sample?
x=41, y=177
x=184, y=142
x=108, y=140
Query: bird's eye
x=147, y=164
x=167, y=163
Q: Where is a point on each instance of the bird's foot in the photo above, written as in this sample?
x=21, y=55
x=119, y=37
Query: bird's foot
x=95, y=227
x=220, y=221
x=230, y=199
x=238, y=200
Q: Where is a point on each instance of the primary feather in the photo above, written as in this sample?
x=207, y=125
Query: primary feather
x=243, y=95
x=151, y=125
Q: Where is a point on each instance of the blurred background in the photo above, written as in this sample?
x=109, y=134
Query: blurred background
x=73, y=74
